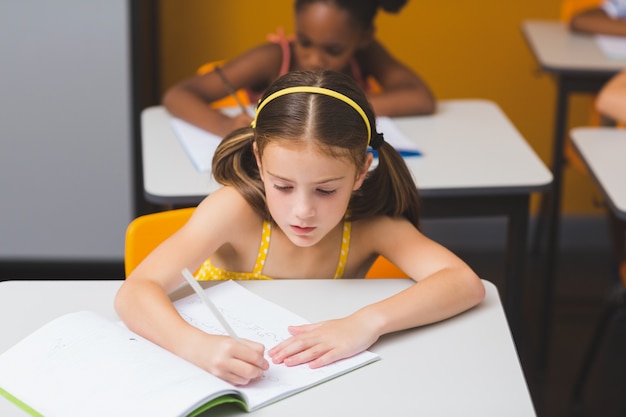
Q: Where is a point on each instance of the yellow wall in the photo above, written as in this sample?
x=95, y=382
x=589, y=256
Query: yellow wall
x=462, y=49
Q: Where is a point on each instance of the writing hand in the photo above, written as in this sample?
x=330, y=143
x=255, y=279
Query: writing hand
x=322, y=343
x=237, y=362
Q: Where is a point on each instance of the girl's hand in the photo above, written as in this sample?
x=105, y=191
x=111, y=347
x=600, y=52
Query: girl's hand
x=236, y=362
x=323, y=343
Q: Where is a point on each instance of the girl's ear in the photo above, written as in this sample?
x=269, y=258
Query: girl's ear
x=360, y=177
x=257, y=157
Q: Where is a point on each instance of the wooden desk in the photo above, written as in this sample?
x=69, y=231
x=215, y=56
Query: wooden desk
x=466, y=365
x=578, y=65
x=475, y=163
x=604, y=151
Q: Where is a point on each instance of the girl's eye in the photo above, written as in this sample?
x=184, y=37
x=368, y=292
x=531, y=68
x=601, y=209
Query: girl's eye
x=326, y=192
x=282, y=187
x=304, y=43
x=334, y=51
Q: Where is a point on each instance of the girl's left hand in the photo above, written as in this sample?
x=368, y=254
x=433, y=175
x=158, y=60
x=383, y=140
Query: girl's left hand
x=323, y=343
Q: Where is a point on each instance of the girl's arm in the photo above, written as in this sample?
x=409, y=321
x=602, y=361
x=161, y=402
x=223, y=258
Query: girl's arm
x=143, y=303
x=445, y=287
x=190, y=99
x=404, y=92
x=597, y=21
x=611, y=101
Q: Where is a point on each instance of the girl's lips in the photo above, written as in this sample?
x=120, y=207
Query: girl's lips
x=302, y=230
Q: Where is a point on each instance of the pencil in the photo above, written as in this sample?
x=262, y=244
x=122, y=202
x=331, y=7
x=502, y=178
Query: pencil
x=207, y=302
x=231, y=90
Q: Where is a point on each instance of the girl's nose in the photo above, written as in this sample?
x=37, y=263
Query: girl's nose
x=316, y=61
x=304, y=208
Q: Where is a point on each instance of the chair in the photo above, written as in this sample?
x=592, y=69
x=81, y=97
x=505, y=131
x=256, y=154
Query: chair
x=229, y=100
x=146, y=232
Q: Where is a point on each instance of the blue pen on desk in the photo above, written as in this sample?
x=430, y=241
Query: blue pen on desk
x=207, y=302
x=403, y=153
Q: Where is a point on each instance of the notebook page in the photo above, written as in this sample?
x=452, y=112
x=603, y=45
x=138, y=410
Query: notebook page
x=255, y=318
x=83, y=364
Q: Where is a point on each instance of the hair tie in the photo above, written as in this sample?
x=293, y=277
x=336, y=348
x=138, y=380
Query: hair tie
x=377, y=141
x=316, y=90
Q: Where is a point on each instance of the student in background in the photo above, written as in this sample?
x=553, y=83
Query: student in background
x=300, y=201
x=329, y=34
x=611, y=101
x=609, y=18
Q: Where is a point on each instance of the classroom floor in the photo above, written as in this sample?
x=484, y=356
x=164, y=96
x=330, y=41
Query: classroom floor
x=583, y=284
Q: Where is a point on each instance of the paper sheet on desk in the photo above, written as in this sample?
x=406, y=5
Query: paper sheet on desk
x=395, y=137
x=200, y=145
x=613, y=47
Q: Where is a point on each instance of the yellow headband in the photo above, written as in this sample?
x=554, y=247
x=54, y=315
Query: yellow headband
x=317, y=90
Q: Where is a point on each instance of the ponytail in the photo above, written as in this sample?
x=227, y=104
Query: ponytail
x=389, y=189
x=234, y=164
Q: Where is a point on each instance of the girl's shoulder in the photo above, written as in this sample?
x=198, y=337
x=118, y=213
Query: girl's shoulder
x=256, y=68
x=265, y=54
x=374, y=56
x=227, y=207
x=381, y=229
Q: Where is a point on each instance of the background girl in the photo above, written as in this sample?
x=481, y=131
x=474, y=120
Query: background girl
x=330, y=34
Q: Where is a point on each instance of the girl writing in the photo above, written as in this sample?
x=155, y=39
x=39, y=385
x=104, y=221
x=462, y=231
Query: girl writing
x=329, y=34
x=300, y=201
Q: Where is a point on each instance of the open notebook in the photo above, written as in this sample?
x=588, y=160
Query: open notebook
x=82, y=364
x=200, y=145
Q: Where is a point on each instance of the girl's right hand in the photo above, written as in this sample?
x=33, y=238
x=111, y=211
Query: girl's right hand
x=236, y=362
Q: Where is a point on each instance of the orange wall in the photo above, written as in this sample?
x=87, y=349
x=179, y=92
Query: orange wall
x=462, y=49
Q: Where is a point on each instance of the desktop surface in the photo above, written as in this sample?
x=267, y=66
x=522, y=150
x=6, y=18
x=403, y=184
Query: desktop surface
x=604, y=151
x=560, y=50
x=469, y=147
x=466, y=365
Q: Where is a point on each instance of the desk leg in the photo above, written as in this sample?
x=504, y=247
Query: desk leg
x=517, y=239
x=515, y=208
x=549, y=220
x=551, y=207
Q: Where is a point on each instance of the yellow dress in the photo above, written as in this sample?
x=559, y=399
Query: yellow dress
x=209, y=272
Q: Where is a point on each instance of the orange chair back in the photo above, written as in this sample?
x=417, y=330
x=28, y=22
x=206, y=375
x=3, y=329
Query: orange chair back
x=383, y=268
x=570, y=7
x=147, y=232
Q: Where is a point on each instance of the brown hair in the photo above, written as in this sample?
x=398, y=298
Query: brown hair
x=336, y=128
x=363, y=11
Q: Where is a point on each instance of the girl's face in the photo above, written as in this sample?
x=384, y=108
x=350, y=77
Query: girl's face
x=326, y=38
x=307, y=191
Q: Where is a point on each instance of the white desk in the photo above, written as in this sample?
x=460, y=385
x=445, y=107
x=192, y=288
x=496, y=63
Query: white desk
x=604, y=151
x=558, y=49
x=578, y=65
x=470, y=148
x=475, y=163
x=466, y=365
